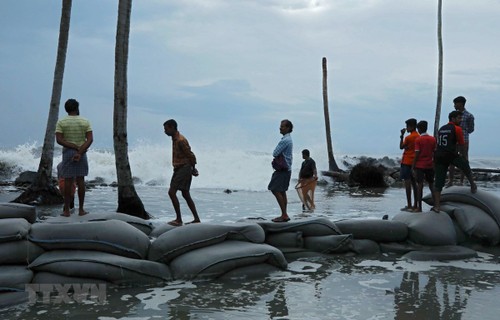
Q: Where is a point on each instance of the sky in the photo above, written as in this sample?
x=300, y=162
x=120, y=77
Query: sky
x=229, y=71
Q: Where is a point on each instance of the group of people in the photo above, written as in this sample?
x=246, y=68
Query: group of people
x=429, y=158
x=424, y=158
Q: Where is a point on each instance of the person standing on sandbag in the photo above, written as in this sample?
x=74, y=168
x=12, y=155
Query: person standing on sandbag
x=467, y=126
x=423, y=164
x=74, y=133
x=282, y=165
x=449, y=151
x=184, y=162
x=408, y=145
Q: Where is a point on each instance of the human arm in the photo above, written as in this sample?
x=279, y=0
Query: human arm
x=401, y=139
x=61, y=141
x=89, y=138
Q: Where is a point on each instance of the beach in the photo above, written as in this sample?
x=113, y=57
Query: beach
x=317, y=287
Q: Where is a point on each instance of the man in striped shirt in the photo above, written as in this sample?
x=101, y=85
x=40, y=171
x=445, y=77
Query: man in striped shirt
x=74, y=133
x=467, y=126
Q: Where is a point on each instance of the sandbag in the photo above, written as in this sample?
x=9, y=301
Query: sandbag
x=487, y=201
x=474, y=221
x=12, y=229
x=365, y=246
x=441, y=253
x=19, y=252
x=400, y=248
x=430, y=228
x=141, y=224
x=161, y=229
x=309, y=227
x=180, y=240
x=111, y=236
x=18, y=210
x=14, y=278
x=54, y=278
x=374, y=229
x=8, y=299
x=285, y=240
x=213, y=261
x=329, y=244
x=101, y=265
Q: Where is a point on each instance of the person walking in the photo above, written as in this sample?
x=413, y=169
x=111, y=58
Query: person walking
x=450, y=141
x=184, y=162
x=308, y=178
x=74, y=134
x=467, y=126
x=408, y=145
x=282, y=165
x=423, y=163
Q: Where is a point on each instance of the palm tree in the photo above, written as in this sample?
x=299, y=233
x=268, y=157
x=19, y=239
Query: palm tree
x=128, y=200
x=332, y=164
x=440, y=69
x=43, y=191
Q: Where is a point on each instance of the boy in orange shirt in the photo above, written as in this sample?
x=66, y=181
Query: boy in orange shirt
x=423, y=163
x=408, y=145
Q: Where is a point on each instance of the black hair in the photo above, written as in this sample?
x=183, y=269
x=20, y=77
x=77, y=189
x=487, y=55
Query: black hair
x=422, y=126
x=306, y=152
x=454, y=114
x=71, y=105
x=171, y=123
x=411, y=122
x=460, y=99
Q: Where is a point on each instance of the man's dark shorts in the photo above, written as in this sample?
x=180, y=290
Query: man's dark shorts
x=405, y=172
x=182, y=177
x=72, y=169
x=280, y=181
x=428, y=174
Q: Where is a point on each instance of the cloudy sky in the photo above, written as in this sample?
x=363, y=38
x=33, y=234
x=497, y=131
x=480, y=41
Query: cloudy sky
x=229, y=71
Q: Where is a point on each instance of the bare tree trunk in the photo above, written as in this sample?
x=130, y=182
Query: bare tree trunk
x=440, y=69
x=128, y=199
x=332, y=165
x=43, y=191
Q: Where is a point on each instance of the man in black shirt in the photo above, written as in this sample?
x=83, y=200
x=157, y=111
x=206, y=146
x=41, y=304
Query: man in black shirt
x=308, y=177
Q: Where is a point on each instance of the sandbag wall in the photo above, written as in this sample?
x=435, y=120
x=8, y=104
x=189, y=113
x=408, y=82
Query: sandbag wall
x=16, y=252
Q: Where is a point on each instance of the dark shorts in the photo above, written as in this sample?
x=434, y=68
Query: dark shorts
x=280, y=181
x=405, y=172
x=442, y=160
x=428, y=174
x=72, y=169
x=182, y=177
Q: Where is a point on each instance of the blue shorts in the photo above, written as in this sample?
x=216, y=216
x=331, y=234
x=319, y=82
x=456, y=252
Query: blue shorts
x=405, y=172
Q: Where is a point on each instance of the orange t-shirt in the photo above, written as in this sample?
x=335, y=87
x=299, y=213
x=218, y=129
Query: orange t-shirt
x=409, y=152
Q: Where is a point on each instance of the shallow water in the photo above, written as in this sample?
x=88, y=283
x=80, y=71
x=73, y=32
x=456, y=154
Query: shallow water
x=314, y=288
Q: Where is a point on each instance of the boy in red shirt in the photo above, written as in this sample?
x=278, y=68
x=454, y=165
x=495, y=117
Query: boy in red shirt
x=408, y=145
x=423, y=163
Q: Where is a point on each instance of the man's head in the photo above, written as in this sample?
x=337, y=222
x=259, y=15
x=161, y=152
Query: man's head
x=411, y=124
x=71, y=106
x=170, y=127
x=305, y=154
x=459, y=103
x=286, y=126
x=422, y=126
x=455, y=117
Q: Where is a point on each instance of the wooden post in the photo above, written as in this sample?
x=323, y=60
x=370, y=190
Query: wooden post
x=332, y=165
x=440, y=69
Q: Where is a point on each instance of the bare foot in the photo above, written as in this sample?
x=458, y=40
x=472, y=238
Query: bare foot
x=65, y=214
x=436, y=210
x=82, y=212
x=175, y=223
x=194, y=221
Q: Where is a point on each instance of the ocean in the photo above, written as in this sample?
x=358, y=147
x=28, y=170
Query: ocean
x=340, y=287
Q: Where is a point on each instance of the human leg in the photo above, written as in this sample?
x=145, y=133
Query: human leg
x=187, y=196
x=465, y=154
x=441, y=169
x=463, y=164
x=172, y=193
x=80, y=183
x=282, y=202
x=68, y=184
x=278, y=185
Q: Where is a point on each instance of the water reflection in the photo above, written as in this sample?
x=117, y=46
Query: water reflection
x=413, y=302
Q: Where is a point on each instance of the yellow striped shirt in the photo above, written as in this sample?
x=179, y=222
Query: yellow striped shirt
x=74, y=129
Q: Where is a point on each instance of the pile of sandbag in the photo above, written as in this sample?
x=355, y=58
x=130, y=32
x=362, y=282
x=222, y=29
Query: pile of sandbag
x=16, y=252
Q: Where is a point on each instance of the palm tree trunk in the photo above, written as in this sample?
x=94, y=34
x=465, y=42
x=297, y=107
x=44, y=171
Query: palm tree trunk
x=440, y=69
x=332, y=165
x=43, y=191
x=128, y=199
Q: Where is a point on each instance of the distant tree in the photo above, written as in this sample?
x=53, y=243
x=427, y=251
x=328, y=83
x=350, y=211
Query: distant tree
x=43, y=190
x=128, y=199
x=440, y=68
x=332, y=164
